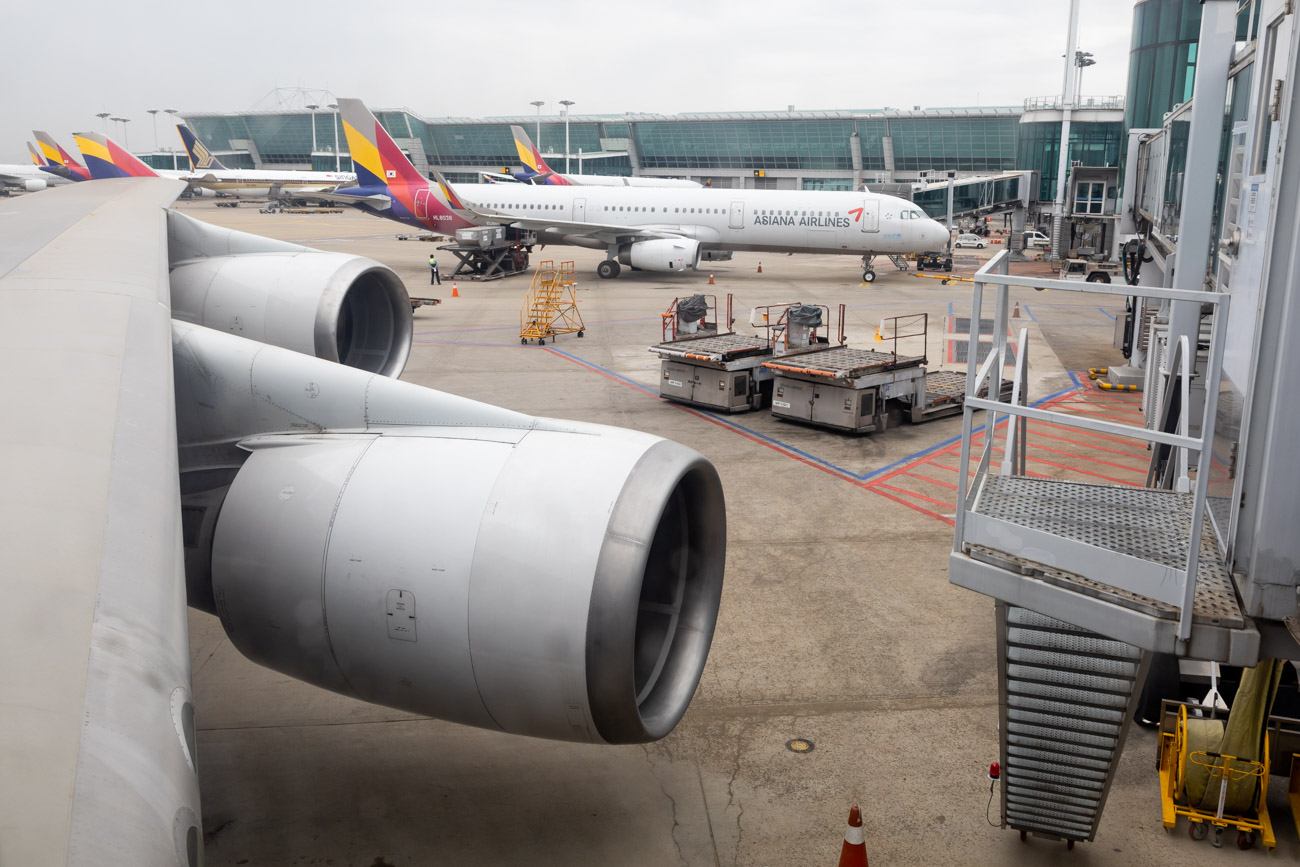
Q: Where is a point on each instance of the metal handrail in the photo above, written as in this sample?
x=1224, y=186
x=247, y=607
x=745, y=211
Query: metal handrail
x=996, y=273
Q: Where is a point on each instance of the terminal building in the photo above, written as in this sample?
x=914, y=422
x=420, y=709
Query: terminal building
x=889, y=148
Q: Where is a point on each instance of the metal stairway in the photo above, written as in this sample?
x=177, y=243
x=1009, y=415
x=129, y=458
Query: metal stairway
x=1066, y=697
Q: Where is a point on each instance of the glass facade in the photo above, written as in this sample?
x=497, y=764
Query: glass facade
x=1092, y=144
x=967, y=144
x=1162, y=59
x=821, y=145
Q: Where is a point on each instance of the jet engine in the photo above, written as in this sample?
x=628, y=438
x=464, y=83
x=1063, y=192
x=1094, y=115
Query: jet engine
x=413, y=549
x=202, y=192
x=34, y=185
x=335, y=306
x=661, y=254
x=716, y=255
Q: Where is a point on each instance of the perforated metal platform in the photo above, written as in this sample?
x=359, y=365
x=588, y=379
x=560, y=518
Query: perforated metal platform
x=943, y=386
x=721, y=347
x=844, y=362
x=1148, y=524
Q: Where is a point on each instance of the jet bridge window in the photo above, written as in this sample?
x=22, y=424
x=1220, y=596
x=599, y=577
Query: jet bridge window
x=1089, y=197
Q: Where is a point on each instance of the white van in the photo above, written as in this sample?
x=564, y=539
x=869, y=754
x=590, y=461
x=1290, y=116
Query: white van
x=1037, y=239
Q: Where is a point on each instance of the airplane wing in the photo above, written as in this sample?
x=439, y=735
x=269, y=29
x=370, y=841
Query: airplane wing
x=606, y=232
x=379, y=202
x=96, y=720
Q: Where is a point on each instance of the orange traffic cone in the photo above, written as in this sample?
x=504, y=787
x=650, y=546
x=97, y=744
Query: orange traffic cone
x=711, y=283
x=760, y=267
x=454, y=292
x=1015, y=314
x=854, y=851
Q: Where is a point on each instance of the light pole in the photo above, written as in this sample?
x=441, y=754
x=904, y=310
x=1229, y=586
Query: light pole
x=334, y=108
x=103, y=115
x=539, y=103
x=115, y=120
x=566, y=103
x=1082, y=59
x=313, y=108
x=154, y=114
x=172, y=113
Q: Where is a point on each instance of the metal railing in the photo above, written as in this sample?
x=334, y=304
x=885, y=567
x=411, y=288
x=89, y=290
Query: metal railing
x=1127, y=571
x=1084, y=103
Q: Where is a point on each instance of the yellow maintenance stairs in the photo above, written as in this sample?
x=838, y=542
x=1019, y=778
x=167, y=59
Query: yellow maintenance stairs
x=550, y=307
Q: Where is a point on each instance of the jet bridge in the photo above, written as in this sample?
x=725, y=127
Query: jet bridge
x=974, y=197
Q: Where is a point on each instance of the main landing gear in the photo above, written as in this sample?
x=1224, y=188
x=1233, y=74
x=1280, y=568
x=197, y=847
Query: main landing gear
x=608, y=269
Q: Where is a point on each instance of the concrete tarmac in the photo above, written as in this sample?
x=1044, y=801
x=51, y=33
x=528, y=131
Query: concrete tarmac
x=837, y=625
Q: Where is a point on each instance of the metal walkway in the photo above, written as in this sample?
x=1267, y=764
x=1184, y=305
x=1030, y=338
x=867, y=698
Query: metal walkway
x=1065, y=700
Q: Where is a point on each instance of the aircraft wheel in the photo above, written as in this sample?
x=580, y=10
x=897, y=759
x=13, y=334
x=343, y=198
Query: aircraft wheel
x=607, y=270
x=868, y=276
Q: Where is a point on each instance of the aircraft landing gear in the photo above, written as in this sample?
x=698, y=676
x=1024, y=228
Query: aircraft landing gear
x=608, y=269
x=868, y=273
x=868, y=276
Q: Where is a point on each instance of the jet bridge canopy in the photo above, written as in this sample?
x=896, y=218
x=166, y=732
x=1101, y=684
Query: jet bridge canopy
x=972, y=196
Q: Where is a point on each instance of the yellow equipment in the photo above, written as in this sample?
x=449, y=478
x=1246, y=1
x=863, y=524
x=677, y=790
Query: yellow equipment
x=550, y=307
x=1222, y=780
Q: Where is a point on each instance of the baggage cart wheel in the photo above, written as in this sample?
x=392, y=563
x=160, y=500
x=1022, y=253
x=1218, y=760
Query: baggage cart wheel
x=579, y=333
x=1198, y=830
x=524, y=341
x=1245, y=840
x=541, y=341
x=1023, y=836
x=1069, y=845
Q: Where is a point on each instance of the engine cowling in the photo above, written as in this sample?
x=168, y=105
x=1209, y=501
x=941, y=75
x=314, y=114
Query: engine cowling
x=335, y=306
x=716, y=255
x=661, y=254
x=202, y=192
x=452, y=577
x=424, y=557
x=34, y=185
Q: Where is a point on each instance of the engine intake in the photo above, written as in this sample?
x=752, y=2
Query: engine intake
x=335, y=306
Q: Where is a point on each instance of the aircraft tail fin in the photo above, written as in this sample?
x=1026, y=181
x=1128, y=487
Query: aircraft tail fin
x=201, y=158
x=534, y=165
x=381, y=168
x=37, y=159
x=55, y=155
x=105, y=159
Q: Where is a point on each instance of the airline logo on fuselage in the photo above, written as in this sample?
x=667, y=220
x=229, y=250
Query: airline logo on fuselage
x=825, y=222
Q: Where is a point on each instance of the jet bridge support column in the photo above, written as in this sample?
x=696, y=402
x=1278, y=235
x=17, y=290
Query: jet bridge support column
x=1016, y=240
x=1204, y=134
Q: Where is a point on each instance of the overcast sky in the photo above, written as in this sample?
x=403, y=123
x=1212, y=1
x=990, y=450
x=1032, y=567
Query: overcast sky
x=62, y=64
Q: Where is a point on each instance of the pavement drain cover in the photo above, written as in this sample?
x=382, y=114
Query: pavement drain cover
x=799, y=745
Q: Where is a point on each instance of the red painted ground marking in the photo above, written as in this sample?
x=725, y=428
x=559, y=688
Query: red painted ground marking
x=949, y=521
x=1142, y=455
x=930, y=480
x=1104, y=415
x=914, y=494
x=1082, y=432
x=1086, y=458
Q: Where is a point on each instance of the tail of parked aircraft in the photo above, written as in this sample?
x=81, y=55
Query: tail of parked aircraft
x=382, y=169
x=105, y=159
x=56, y=156
x=532, y=160
x=36, y=157
x=201, y=158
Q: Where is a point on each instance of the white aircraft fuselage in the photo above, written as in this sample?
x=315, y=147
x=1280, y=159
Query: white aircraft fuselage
x=809, y=221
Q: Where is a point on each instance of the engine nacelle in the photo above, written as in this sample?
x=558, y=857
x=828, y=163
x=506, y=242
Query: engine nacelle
x=661, y=254
x=449, y=575
x=202, y=192
x=34, y=185
x=716, y=255
x=335, y=306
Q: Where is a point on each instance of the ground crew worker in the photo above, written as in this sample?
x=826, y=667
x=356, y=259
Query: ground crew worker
x=433, y=270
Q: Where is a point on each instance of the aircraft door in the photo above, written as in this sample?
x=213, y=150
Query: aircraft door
x=737, y=215
x=422, y=204
x=871, y=216
x=579, y=210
